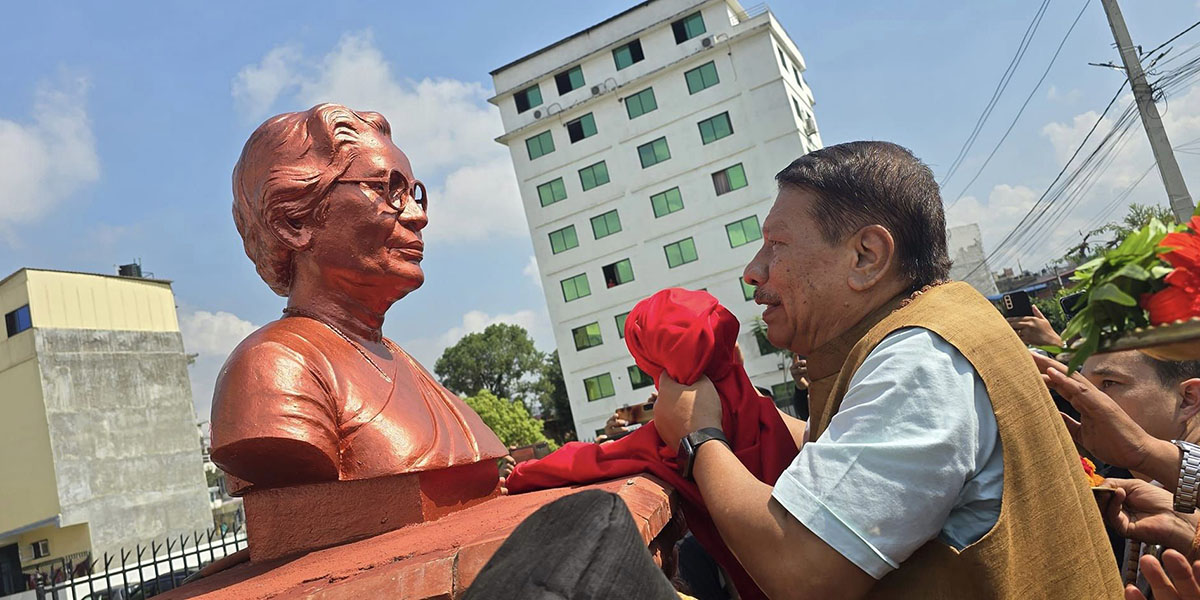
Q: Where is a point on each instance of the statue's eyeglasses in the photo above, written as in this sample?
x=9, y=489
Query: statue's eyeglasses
x=395, y=190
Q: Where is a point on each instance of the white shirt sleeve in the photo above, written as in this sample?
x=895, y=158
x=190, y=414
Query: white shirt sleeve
x=914, y=429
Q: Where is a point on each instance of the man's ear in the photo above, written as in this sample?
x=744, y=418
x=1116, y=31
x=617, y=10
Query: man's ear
x=295, y=234
x=874, y=252
x=1189, y=391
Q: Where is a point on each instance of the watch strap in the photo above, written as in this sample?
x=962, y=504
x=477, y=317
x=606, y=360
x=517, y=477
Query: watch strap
x=690, y=444
x=1189, y=477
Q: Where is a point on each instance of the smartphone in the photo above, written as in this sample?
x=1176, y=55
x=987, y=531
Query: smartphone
x=636, y=414
x=1071, y=304
x=1016, y=304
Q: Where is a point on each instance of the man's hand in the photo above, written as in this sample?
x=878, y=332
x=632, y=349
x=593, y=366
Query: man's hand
x=1145, y=512
x=1178, y=581
x=615, y=425
x=799, y=371
x=682, y=409
x=1104, y=429
x=1035, y=330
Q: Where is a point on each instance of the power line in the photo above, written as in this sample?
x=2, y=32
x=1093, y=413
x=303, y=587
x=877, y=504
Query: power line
x=999, y=91
x=1021, y=110
x=1175, y=37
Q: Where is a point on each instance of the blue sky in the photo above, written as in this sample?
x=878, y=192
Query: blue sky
x=119, y=126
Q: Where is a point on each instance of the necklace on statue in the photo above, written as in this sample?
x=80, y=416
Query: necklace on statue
x=297, y=312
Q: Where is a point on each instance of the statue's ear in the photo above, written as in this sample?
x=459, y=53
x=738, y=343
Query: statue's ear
x=297, y=235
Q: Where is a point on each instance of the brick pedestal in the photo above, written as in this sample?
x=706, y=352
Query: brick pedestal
x=433, y=560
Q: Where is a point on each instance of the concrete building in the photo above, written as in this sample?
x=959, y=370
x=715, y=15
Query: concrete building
x=98, y=435
x=965, y=245
x=645, y=149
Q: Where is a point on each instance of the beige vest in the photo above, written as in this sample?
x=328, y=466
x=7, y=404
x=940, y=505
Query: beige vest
x=1049, y=541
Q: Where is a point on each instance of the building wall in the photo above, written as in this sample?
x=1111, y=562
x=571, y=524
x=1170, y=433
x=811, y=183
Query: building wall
x=28, y=493
x=83, y=301
x=757, y=87
x=965, y=244
x=63, y=541
x=125, y=444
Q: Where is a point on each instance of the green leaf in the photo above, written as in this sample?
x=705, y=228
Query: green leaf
x=1159, y=271
x=1133, y=271
x=1052, y=350
x=1085, y=349
x=1111, y=293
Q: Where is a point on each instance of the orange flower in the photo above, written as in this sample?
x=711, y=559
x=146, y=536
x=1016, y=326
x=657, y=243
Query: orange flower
x=1089, y=468
x=1180, y=300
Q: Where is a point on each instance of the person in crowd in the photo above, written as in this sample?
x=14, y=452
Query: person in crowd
x=1136, y=412
x=799, y=370
x=928, y=425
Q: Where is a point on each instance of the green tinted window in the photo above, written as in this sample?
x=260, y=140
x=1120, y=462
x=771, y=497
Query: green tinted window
x=600, y=386
x=640, y=103
x=652, y=153
x=587, y=336
x=665, y=203
x=574, y=288
x=528, y=98
x=564, y=239
x=743, y=232
x=540, y=145
x=593, y=176
x=727, y=180
x=569, y=80
x=618, y=273
x=702, y=77
x=552, y=191
x=681, y=252
x=583, y=127
x=747, y=289
x=715, y=128
x=606, y=224
x=620, y=319
x=628, y=54
x=638, y=378
x=783, y=391
x=688, y=27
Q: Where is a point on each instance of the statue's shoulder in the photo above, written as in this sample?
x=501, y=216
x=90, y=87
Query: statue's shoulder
x=284, y=340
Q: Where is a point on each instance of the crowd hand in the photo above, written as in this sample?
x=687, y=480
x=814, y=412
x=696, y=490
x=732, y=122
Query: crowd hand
x=1145, y=512
x=1035, y=330
x=799, y=371
x=1103, y=429
x=507, y=464
x=615, y=425
x=1177, y=581
x=682, y=409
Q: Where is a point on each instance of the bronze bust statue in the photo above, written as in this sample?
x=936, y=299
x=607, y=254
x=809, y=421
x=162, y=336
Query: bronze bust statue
x=331, y=214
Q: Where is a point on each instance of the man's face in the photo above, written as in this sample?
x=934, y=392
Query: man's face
x=363, y=241
x=801, y=279
x=1130, y=380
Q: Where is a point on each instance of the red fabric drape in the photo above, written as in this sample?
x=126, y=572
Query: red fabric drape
x=686, y=334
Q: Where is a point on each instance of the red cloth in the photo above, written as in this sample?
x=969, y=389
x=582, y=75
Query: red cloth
x=687, y=334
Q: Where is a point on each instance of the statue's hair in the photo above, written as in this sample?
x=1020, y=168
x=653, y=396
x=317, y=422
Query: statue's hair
x=286, y=168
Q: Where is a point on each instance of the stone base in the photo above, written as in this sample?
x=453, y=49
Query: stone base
x=436, y=560
x=286, y=521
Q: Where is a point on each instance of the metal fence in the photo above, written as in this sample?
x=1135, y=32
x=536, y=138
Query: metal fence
x=134, y=574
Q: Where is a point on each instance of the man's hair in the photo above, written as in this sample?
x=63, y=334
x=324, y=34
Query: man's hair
x=864, y=183
x=1171, y=373
x=284, y=172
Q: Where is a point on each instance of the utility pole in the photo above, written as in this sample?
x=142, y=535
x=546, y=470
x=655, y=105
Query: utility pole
x=1168, y=169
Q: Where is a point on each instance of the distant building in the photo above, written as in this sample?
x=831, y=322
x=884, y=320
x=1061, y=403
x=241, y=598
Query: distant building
x=965, y=245
x=98, y=442
x=645, y=148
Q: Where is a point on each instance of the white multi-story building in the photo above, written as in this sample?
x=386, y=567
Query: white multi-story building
x=645, y=148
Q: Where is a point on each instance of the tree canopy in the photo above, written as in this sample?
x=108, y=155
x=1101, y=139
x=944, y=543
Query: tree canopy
x=1110, y=234
x=510, y=420
x=500, y=359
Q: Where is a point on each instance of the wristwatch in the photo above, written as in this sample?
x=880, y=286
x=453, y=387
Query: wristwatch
x=1189, y=477
x=690, y=443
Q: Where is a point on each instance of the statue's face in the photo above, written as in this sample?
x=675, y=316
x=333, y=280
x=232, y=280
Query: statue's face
x=365, y=242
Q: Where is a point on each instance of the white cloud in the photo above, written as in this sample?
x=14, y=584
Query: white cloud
x=531, y=271
x=256, y=87
x=1067, y=97
x=445, y=126
x=211, y=336
x=45, y=160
